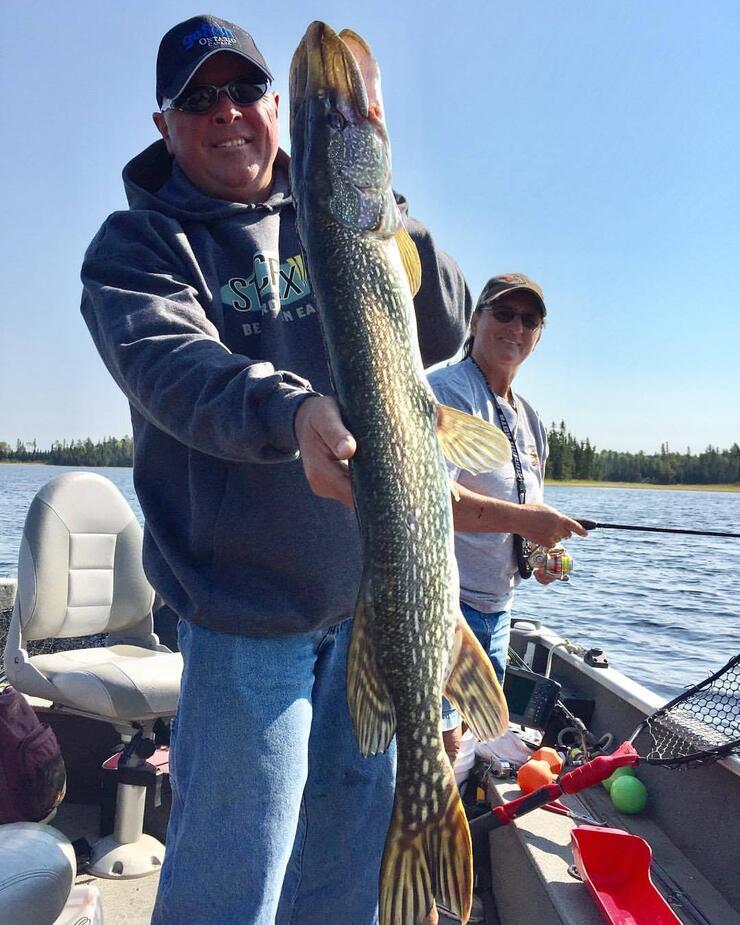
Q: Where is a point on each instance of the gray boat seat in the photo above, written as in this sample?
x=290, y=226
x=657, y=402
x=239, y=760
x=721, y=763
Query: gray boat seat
x=37, y=871
x=80, y=573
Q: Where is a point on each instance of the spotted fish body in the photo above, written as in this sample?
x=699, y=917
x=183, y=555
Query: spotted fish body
x=409, y=643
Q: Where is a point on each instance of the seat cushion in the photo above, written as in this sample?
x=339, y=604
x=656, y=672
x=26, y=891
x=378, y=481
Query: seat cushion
x=37, y=871
x=118, y=682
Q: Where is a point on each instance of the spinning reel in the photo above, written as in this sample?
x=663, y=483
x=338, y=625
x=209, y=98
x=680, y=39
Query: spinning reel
x=555, y=562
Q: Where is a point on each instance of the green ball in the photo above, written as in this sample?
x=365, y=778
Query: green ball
x=629, y=794
x=620, y=772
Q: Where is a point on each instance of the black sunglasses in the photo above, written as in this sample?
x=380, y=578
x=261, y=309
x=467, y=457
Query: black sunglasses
x=505, y=315
x=203, y=98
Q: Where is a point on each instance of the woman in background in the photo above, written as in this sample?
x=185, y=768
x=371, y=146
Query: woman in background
x=505, y=328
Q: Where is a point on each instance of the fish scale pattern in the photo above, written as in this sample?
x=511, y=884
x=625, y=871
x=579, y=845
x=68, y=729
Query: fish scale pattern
x=402, y=491
x=406, y=620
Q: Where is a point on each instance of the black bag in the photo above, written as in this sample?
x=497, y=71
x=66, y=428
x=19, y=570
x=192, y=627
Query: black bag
x=32, y=775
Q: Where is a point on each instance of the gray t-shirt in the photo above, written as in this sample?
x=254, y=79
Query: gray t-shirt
x=487, y=564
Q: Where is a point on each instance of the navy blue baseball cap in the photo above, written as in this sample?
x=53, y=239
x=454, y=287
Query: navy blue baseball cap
x=186, y=46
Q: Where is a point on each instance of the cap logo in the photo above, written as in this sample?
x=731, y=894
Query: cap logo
x=209, y=35
x=515, y=278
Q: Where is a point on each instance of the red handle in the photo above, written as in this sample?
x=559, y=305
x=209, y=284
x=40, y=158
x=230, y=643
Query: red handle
x=598, y=769
x=587, y=775
x=502, y=815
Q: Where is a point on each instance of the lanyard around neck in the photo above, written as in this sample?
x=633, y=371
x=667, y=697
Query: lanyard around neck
x=518, y=471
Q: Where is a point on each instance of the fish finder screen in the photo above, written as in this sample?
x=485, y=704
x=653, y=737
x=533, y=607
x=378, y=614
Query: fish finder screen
x=530, y=697
x=518, y=690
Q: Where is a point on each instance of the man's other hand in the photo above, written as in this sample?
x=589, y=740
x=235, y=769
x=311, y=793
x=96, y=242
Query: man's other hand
x=325, y=445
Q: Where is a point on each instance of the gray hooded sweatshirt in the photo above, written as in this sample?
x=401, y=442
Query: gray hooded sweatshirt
x=203, y=313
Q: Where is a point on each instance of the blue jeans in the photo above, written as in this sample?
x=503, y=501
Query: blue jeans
x=492, y=630
x=276, y=816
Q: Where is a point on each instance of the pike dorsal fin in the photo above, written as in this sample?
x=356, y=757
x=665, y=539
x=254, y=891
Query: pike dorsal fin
x=470, y=443
x=409, y=258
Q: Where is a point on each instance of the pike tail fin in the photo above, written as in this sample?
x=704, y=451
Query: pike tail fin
x=473, y=687
x=431, y=862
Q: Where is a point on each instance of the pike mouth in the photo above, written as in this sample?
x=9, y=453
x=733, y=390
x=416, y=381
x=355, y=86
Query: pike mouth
x=324, y=65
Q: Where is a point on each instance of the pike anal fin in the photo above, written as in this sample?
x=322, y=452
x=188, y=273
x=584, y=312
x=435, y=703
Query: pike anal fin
x=435, y=863
x=473, y=687
x=469, y=442
x=370, y=704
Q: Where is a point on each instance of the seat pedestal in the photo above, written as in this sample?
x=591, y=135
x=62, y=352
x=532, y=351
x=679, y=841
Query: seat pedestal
x=113, y=860
x=129, y=853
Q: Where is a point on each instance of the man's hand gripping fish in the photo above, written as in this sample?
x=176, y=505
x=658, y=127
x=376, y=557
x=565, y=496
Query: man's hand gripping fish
x=409, y=641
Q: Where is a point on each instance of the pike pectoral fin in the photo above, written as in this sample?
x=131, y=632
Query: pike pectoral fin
x=370, y=705
x=470, y=443
x=428, y=863
x=473, y=687
x=410, y=259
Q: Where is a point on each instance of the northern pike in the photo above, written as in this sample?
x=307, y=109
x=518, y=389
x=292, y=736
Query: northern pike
x=409, y=640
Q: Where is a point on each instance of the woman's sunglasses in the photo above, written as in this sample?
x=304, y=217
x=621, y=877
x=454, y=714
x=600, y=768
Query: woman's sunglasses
x=204, y=98
x=505, y=315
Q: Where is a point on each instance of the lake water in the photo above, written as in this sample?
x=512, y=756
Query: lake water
x=665, y=609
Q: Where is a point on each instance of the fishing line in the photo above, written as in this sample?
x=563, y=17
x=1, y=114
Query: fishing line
x=592, y=525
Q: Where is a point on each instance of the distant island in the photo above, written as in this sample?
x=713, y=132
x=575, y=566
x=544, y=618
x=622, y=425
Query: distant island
x=570, y=460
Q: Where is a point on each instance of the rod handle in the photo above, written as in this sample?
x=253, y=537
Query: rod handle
x=587, y=524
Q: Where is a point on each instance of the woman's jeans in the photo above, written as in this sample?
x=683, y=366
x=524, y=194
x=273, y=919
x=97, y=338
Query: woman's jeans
x=276, y=816
x=492, y=630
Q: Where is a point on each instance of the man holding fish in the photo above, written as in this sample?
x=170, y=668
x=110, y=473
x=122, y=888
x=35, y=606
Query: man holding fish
x=199, y=301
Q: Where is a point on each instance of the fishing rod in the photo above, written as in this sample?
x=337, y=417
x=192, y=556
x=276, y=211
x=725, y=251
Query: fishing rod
x=558, y=564
x=592, y=525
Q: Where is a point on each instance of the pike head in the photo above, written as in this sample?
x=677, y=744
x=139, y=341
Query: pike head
x=340, y=154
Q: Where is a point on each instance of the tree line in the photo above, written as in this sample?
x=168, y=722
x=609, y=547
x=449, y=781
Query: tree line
x=112, y=451
x=578, y=459
x=569, y=458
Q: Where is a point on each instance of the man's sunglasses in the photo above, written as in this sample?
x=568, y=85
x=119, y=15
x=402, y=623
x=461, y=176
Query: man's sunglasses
x=505, y=315
x=203, y=98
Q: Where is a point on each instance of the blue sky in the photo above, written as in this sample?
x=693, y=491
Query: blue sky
x=592, y=145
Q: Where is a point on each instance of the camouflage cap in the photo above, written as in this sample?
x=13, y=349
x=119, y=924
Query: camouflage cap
x=500, y=285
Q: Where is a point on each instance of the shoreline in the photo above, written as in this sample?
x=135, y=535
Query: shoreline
x=587, y=483
x=564, y=483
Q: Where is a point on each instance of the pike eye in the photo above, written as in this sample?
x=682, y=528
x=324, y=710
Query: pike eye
x=335, y=119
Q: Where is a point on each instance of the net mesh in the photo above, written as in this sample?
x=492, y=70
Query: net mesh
x=701, y=727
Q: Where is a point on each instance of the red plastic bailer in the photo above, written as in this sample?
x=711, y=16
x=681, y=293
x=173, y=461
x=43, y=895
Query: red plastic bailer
x=615, y=866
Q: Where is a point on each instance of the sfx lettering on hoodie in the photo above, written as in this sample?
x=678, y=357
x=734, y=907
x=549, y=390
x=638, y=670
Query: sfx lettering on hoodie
x=270, y=289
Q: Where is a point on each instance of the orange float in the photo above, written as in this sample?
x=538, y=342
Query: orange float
x=534, y=774
x=551, y=757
